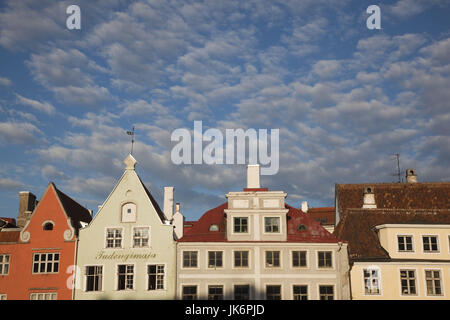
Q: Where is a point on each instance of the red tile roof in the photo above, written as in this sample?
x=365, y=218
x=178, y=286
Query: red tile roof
x=357, y=228
x=314, y=232
x=324, y=215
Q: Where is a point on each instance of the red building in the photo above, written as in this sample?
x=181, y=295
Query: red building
x=36, y=255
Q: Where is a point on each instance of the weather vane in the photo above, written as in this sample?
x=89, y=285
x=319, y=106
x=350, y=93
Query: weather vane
x=131, y=133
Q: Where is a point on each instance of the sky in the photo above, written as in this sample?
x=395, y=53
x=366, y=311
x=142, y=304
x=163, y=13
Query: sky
x=345, y=98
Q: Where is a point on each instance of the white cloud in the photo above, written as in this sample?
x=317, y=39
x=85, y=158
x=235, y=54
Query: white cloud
x=5, y=81
x=18, y=133
x=39, y=106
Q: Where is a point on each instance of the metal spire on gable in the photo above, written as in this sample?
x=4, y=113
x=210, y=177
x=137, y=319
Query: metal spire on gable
x=131, y=133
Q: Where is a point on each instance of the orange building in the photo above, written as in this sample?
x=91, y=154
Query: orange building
x=36, y=257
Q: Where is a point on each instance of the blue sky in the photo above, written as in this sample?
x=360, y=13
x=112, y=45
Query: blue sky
x=344, y=97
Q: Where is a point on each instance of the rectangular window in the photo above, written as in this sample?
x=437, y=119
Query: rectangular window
x=298, y=259
x=300, y=292
x=215, y=292
x=371, y=281
x=273, y=292
x=155, y=277
x=433, y=280
x=45, y=262
x=140, y=237
x=242, y=292
x=241, y=259
x=325, y=259
x=190, y=259
x=408, y=282
x=3, y=296
x=94, y=278
x=430, y=244
x=113, y=238
x=326, y=292
x=4, y=264
x=43, y=296
x=125, y=276
x=214, y=259
x=240, y=225
x=189, y=292
x=405, y=243
x=272, y=224
x=272, y=259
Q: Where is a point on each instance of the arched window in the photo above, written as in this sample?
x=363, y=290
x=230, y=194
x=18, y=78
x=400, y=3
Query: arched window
x=129, y=212
x=214, y=227
x=48, y=226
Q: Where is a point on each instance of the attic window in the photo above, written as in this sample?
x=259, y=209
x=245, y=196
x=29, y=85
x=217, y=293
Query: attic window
x=48, y=226
x=214, y=227
x=302, y=227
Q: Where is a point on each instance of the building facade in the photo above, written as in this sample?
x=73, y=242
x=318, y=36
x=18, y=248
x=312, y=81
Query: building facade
x=399, y=238
x=255, y=246
x=37, y=257
x=128, y=251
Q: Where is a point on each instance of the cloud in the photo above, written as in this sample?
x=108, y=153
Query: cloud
x=19, y=133
x=10, y=184
x=5, y=81
x=39, y=106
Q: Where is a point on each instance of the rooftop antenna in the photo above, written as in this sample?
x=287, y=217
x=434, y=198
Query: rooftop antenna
x=131, y=133
x=397, y=155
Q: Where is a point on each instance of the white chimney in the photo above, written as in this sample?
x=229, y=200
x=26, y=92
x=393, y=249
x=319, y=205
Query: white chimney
x=369, y=198
x=253, y=176
x=305, y=206
x=411, y=176
x=168, y=203
x=178, y=222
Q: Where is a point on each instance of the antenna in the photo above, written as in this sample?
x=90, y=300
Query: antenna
x=397, y=155
x=131, y=133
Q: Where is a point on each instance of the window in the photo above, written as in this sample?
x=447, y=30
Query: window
x=430, y=244
x=433, y=280
x=300, y=292
x=242, y=292
x=215, y=292
x=155, y=277
x=325, y=259
x=140, y=237
x=45, y=263
x=2, y=296
x=94, y=278
x=214, y=227
x=48, y=226
x=408, y=282
x=125, y=275
x=405, y=243
x=371, y=281
x=189, y=292
x=241, y=259
x=240, y=225
x=326, y=292
x=214, y=259
x=302, y=227
x=129, y=212
x=272, y=259
x=113, y=238
x=271, y=225
x=190, y=259
x=273, y=292
x=4, y=264
x=43, y=296
x=298, y=259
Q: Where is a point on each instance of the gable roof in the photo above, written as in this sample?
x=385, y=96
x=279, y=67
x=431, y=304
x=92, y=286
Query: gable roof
x=153, y=201
x=357, y=227
x=75, y=211
x=314, y=232
x=423, y=195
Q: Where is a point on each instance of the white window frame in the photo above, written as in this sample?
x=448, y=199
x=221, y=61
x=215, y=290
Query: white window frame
x=327, y=285
x=3, y=297
x=39, y=262
x=292, y=258
x=441, y=278
x=44, y=294
x=271, y=217
x=412, y=243
x=437, y=243
x=248, y=259
x=182, y=259
x=190, y=285
x=416, y=278
x=248, y=225
x=3, y=263
x=300, y=285
x=207, y=259
x=280, y=258
x=126, y=273
x=148, y=246
x=86, y=277
x=216, y=285
x=106, y=238
x=164, y=276
x=273, y=285
x=122, y=205
x=333, y=264
x=378, y=278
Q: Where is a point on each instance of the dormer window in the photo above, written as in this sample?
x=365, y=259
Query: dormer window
x=129, y=212
x=214, y=227
x=301, y=227
x=48, y=226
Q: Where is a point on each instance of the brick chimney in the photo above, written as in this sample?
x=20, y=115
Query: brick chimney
x=369, y=198
x=27, y=203
x=411, y=176
x=253, y=176
x=168, y=203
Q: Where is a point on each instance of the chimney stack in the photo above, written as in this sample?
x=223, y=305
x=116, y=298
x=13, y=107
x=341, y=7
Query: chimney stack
x=305, y=206
x=253, y=176
x=178, y=222
x=369, y=198
x=411, y=176
x=168, y=203
x=27, y=203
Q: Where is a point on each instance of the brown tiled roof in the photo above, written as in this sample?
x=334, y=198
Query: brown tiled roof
x=314, y=232
x=324, y=215
x=7, y=222
x=424, y=195
x=357, y=228
x=9, y=236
